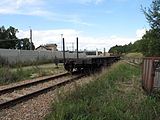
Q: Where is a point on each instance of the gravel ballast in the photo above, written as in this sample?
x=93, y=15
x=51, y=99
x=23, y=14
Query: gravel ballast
x=38, y=107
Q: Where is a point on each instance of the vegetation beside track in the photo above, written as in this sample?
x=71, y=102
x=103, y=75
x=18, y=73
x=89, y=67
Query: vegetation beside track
x=135, y=55
x=9, y=75
x=116, y=94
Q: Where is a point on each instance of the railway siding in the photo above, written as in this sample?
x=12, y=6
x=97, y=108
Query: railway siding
x=14, y=95
x=37, y=107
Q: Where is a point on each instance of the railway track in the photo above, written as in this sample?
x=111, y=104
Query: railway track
x=20, y=93
x=132, y=64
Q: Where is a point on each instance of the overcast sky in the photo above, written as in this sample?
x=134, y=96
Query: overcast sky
x=98, y=23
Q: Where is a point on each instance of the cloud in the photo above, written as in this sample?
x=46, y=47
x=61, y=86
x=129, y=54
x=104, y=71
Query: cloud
x=36, y=8
x=76, y=21
x=140, y=32
x=87, y=1
x=85, y=42
x=13, y=11
x=22, y=7
x=121, y=0
x=50, y=36
x=99, y=1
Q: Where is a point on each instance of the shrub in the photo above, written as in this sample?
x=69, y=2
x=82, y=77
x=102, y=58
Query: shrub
x=7, y=76
x=3, y=62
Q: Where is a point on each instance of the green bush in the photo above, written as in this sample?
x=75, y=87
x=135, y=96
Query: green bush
x=3, y=62
x=8, y=77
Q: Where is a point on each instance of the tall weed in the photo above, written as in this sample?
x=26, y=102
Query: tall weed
x=7, y=76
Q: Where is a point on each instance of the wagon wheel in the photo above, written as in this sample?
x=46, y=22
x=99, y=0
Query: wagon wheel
x=70, y=68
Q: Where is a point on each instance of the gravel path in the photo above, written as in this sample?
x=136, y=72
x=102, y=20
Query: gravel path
x=38, y=107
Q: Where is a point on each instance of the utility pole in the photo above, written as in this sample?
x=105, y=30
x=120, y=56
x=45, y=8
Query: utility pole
x=61, y=41
x=31, y=47
x=77, y=48
x=104, y=52
x=64, y=59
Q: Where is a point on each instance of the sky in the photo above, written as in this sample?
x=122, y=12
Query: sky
x=97, y=23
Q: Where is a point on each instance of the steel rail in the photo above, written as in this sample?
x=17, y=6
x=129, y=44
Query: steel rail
x=26, y=97
x=10, y=89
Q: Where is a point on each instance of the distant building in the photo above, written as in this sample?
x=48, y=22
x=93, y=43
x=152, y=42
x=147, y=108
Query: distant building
x=105, y=54
x=52, y=47
x=92, y=52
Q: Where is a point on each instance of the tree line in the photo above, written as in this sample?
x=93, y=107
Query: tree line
x=149, y=45
x=9, y=40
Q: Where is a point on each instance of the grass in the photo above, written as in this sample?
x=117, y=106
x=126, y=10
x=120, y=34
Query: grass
x=9, y=75
x=114, y=95
x=135, y=55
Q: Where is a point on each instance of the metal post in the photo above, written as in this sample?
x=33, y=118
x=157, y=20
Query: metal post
x=77, y=48
x=64, y=51
x=61, y=41
x=104, y=52
x=31, y=47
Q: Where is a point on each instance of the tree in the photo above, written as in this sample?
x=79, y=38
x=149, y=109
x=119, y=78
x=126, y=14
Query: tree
x=8, y=40
x=150, y=45
x=118, y=49
x=151, y=40
x=8, y=37
x=24, y=44
x=137, y=46
x=153, y=14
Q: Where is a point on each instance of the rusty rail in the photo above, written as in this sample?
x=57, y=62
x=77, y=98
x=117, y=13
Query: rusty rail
x=23, y=98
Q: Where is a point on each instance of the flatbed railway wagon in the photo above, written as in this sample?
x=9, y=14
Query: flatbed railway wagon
x=87, y=63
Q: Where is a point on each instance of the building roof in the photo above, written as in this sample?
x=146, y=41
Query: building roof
x=46, y=46
x=50, y=45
